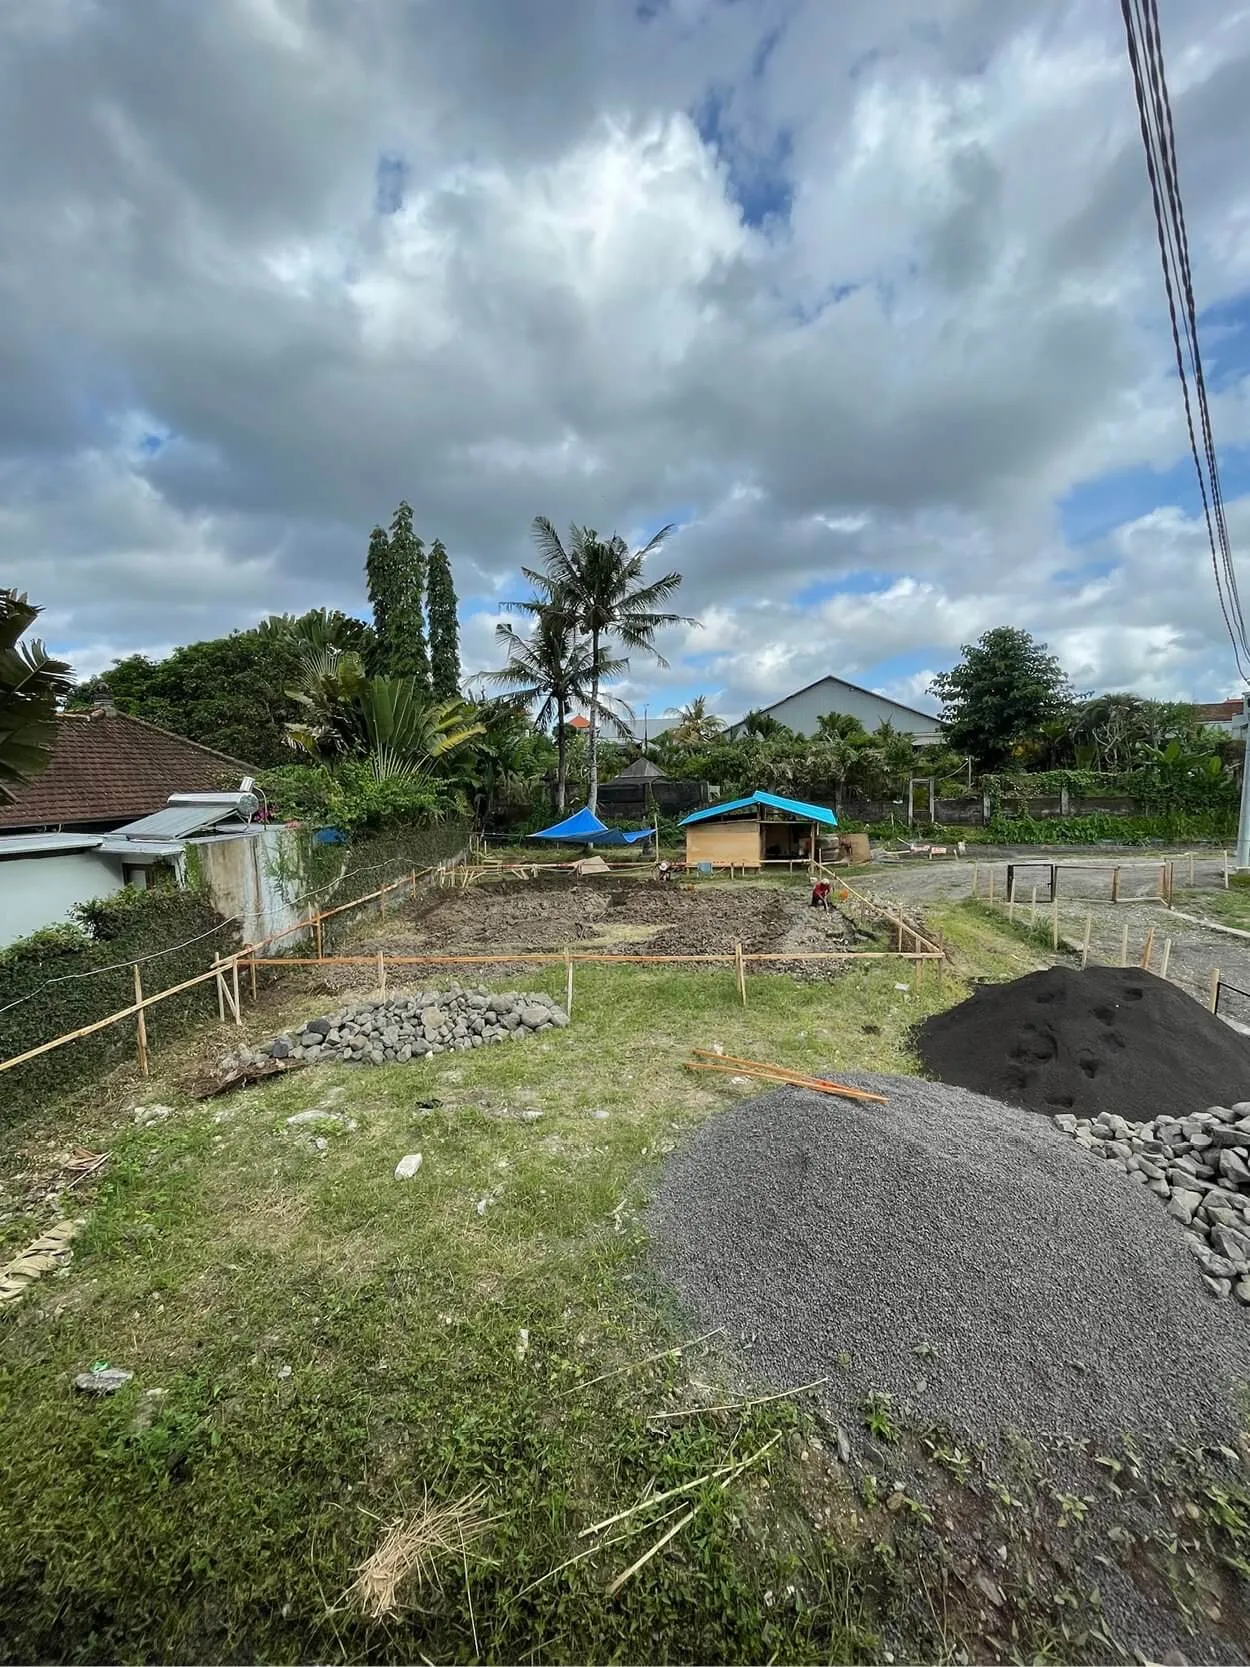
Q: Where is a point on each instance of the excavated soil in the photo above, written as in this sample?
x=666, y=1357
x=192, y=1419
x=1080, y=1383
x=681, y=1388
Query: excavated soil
x=630, y=916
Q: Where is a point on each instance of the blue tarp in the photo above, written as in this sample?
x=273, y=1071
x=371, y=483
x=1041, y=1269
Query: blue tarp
x=584, y=828
x=795, y=807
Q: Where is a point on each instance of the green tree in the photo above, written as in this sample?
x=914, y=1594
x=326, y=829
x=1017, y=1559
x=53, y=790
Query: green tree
x=31, y=684
x=444, y=625
x=598, y=585
x=764, y=727
x=1005, y=687
x=695, y=725
x=551, y=669
x=395, y=578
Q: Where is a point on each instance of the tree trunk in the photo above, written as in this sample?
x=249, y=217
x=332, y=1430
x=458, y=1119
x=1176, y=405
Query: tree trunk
x=592, y=797
x=562, y=754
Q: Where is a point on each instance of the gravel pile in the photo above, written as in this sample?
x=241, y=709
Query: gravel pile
x=400, y=1028
x=1107, y=1041
x=965, y=1257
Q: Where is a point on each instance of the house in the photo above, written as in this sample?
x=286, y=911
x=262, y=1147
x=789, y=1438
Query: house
x=1220, y=714
x=642, y=788
x=102, y=816
x=756, y=831
x=108, y=769
x=801, y=710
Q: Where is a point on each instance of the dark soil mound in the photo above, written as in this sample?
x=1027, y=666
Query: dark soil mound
x=1109, y=1039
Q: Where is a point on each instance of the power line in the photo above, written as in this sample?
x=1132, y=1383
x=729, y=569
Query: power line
x=1154, y=109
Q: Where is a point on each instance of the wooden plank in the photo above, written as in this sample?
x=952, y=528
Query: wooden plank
x=141, y=1024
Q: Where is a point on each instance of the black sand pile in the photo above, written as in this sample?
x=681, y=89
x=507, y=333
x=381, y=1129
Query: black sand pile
x=1108, y=1040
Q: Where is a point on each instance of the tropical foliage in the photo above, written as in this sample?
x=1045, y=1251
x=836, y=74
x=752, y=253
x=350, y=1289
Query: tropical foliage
x=31, y=684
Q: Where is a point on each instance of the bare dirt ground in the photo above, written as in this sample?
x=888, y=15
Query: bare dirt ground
x=628, y=917
x=1084, y=888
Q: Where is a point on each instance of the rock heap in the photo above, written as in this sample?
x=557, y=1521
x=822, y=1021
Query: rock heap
x=403, y=1027
x=1199, y=1165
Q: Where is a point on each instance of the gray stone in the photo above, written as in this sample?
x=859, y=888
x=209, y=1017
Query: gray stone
x=1150, y=1169
x=321, y=1027
x=1235, y=1246
x=280, y=1048
x=1229, y=1136
x=1184, y=1204
x=1233, y=1168
x=433, y=1018
x=559, y=1017
x=532, y=1017
x=1242, y=1290
x=1160, y=1189
x=501, y=1004
x=510, y=1020
x=107, y=1380
x=1217, y=1287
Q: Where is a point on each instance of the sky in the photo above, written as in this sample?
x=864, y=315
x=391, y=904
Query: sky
x=864, y=298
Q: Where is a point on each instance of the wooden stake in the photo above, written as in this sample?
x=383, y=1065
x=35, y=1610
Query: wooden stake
x=234, y=982
x=1033, y=909
x=742, y=972
x=1011, y=898
x=320, y=946
x=1124, y=946
x=251, y=971
x=1165, y=958
x=221, y=990
x=976, y=878
x=1213, y=990
x=1115, y=885
x=1226, y=871
x=141, y=1025
x=1191, y=868
x=1147, y=950
x=1089, y=926
x=568, y=981
x=1054, y=918
x=381, y=973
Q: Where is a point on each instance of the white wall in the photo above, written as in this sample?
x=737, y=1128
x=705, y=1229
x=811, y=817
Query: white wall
x=799, y=712
x=256, y=875
x=40, y=891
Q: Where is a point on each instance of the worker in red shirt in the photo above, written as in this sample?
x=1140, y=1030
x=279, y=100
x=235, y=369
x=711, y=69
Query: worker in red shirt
x=820, y=894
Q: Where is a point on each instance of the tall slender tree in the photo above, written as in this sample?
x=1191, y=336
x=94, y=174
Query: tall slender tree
x=597, y=585
x=440, y=595
x=395, y=567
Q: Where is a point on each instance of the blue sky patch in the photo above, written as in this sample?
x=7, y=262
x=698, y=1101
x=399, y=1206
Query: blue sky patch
x=1095, y=508
x=392, y=176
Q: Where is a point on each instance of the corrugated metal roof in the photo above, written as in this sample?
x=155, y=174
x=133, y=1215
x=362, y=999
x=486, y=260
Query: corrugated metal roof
x=135, y=849
x=177, y=822
x=48, y=844
x=796, y=807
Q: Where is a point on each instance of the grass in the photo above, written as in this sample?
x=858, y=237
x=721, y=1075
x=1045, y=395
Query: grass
x=982, y=943
x=1227, y=908
x=336, y=1350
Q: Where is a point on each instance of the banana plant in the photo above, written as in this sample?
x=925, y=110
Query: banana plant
x=31, y=684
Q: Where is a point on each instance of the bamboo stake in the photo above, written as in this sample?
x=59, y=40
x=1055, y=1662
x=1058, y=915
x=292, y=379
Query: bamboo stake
x=1011, y=898
x=1054, y=919
x=1226, y=871
x=382, y=904
x=568, y=981
x=742, y=972
x=234, y=980
x=1165, y=957
x=1213, y=990
x=1147, y=950
x=815, y=1085
x=1089, y=926
x=381, y=973
x=1191, y=868
x=320, y=944
x=221, y=991
x=141, y=1025
x=1124, y=946
x=251, y=970
x=1115, y=885
x=976, y=878
x=734, y=1059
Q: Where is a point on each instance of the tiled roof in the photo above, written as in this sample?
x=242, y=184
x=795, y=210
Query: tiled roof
x=1218, y=711
x=109, y=768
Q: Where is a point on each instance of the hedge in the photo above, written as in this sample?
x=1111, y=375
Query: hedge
x=110, y=932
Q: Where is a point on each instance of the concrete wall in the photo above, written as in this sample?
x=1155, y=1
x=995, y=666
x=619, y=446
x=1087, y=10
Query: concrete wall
x=40, y=891
x=799, y=712
x=258, y=876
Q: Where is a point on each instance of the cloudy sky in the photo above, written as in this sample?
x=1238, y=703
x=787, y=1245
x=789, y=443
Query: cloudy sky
x=863, y=296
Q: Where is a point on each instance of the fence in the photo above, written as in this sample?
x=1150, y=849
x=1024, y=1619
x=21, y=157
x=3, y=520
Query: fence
x=225, y=970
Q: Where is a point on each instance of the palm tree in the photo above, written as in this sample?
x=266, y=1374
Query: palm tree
x=553, y=668
x=695, y=724
x=31, y=684
x=596, y=584
x=407, y=731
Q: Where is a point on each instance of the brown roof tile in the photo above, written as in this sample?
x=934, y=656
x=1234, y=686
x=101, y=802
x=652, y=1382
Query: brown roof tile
x=110, y=769
x=1218, y=711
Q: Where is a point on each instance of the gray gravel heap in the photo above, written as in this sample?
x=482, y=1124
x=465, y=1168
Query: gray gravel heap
x=1200, y=1166
x=963, y=1256
x=403, y=1027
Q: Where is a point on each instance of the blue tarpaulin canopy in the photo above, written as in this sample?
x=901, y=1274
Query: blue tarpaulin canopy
x=585, y=828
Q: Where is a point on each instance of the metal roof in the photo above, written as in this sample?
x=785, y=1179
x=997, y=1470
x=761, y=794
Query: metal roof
x=137, y=850
x=795, y=807
x=179, y=822
x=642, y=769
x=47, y=844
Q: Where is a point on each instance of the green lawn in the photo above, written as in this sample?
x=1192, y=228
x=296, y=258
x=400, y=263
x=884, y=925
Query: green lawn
x=441, y=1334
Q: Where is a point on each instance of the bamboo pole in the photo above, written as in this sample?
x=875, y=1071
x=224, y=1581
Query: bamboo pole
x=1165, y=957
x=141, y=1025
x=533, y=958
x=742, y=973
x=976, y=878
x=1054, y=918
x=1124, y=946
x=568, y=981
x=1226, y=871
x=1147, y=950
x=1089, y=926
x=1115, y=885
x=234, y=980
x=381, y=973
x=1191, y=868
x=251, y=968
x=1213, y=990
x=382, y=903
x=221, y=990
x=320, y=942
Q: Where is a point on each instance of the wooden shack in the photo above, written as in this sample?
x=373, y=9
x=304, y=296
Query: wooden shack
x=760, y=831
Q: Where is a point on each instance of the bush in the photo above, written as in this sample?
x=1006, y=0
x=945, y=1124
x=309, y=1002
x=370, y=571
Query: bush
x=43, y=993
x=351, y=798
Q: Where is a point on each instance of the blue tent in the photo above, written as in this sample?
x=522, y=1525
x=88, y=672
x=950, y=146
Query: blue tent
x=585, y=828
